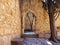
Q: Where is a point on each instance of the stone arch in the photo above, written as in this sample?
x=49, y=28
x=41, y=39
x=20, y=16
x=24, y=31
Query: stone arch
x=29, y=21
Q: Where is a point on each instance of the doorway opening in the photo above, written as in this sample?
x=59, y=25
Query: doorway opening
x=29, y=23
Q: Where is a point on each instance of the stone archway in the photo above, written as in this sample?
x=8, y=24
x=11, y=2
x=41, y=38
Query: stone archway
x=29, y=22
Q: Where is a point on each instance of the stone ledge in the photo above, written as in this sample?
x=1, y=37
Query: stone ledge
x=17, y=41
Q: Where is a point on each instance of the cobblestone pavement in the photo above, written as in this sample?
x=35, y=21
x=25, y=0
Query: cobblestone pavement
x=55, y=43
x=36, y=41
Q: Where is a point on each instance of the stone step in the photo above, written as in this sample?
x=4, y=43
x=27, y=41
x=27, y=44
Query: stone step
x=30, y=35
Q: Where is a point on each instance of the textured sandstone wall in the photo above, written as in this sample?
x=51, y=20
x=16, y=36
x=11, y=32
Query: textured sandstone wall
x=42, y=19
x=57, y=22
x=10, y=23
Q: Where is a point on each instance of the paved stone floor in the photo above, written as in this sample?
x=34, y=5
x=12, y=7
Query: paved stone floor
x=38, y=41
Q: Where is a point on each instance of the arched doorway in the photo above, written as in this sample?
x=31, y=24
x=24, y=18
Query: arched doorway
x=29, y=22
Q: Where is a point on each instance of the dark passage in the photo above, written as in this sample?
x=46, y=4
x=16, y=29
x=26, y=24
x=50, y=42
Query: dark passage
x=28, y=30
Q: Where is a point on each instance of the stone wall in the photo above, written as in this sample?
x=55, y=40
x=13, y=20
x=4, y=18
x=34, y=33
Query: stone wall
x=57, y=22
x=42, y=19
x=10, y=21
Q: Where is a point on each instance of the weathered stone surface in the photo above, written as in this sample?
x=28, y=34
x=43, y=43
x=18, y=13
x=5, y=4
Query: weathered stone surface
x=39, y=41
x=36, y=41
x=10, y=22
x=1, y=40
x=42, y=18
